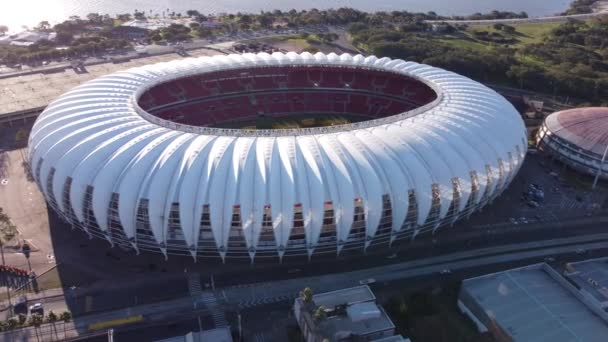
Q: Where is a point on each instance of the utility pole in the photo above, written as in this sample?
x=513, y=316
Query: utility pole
x=110, y=335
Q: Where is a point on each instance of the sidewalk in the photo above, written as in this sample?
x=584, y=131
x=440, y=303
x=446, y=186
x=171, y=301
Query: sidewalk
x=89, y=324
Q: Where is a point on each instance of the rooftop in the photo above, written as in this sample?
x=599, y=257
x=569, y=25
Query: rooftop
x=585, y=127
x=337, y=326
x=351, y=295
x=530, y=304
x=215, y=335
x=360, y=316
x=591, y=276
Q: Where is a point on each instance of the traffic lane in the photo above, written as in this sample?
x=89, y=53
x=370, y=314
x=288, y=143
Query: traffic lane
x=420, y=249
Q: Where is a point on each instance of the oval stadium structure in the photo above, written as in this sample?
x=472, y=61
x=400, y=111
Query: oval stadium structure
x=579, y=138
x=261, y=155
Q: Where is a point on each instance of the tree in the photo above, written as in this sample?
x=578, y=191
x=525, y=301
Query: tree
x=156, y=38
x=245, y=19
x=204, y=32
x=306, y=295
x=3, y=30
x=52, y=318
x=266, y=20
x=43, y=26
x=22, y=319
x=66, y=317
x=192, y=13
x=12, y=323
x=63, y=38
x=123, y=17
x=319, y=313
x=36, y=321
x=95, y=18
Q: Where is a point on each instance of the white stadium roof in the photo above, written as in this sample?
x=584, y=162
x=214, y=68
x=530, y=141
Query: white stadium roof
x=97, y=135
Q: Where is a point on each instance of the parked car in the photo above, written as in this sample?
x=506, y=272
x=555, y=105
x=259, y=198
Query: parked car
x=20, y=306
x=533, y=204
x=445, y=271
x=37, y=309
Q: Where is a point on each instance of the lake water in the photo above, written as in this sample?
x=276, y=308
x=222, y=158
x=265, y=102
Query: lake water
x=16, y=13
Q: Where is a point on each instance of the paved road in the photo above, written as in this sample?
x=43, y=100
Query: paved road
x=243, y=297
x=536, y=20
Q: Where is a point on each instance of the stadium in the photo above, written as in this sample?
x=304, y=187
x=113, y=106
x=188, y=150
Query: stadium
x=578, y=138
x=270, y=156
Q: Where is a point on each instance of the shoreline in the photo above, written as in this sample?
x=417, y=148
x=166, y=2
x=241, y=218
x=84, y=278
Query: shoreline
x=599, y=7
x=17, y=27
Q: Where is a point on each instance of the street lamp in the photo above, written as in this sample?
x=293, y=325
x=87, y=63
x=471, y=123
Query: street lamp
x=26, y=249
x=600, y=168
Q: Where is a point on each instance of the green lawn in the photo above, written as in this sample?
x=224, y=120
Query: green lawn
x=526, y=33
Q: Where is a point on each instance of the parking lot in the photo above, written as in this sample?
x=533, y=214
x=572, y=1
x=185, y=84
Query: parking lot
x=567, y=194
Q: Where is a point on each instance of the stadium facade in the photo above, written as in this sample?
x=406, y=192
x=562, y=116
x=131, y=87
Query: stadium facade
x=145, y=158
x=579, y=138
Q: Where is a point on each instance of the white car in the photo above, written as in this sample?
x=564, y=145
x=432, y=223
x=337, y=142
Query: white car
x=37, y=308
x=367, y=281
x=445, y=271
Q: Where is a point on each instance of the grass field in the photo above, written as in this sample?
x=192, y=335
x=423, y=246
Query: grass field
x=526, y=33
x=294, y=121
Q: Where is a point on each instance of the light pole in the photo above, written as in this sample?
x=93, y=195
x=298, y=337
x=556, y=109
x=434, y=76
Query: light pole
x=26, y=252
x=600, y=168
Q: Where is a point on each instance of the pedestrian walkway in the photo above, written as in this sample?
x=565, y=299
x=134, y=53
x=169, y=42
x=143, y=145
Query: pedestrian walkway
x=207, y=298
x=216, y=311
x=194, y=284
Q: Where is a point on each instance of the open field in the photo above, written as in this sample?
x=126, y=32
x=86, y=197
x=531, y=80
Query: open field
x=526, y=33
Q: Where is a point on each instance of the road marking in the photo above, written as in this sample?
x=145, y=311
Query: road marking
x=115, y=322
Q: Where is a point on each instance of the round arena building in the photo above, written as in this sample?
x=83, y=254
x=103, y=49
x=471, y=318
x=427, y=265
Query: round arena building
x=270, y=156
x=578, y=138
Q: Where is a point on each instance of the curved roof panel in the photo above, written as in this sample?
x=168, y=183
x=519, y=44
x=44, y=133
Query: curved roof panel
x=421, y=161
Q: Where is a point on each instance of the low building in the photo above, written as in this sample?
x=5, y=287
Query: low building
x=590, y=278
x=26, y=38
x=215, y=335
x=129, y=32
x=532, y=303
x=350, y=315
x=579, y=138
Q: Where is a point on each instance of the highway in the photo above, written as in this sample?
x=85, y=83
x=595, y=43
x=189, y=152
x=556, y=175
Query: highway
x=245, y=297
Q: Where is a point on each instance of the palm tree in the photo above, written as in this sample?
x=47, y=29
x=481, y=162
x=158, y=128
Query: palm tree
x=21, y=319
x=319, y=313
x=36, y=321
x=12, y=323
x=52, y=318
x=66, y=317
x=306, y=295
